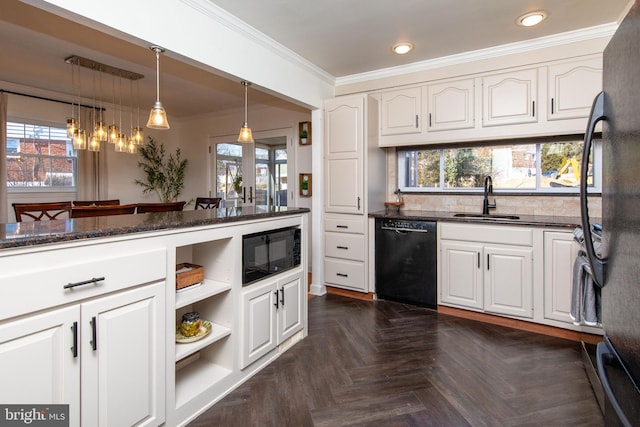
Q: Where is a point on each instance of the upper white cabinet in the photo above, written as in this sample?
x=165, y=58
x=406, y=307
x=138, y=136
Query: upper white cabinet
x=510, y=98
x=545, y=99
x=450, y=105
x=400, y=112
x=572, y=86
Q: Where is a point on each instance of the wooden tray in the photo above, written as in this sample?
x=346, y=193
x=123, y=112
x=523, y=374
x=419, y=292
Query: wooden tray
x=188, y=274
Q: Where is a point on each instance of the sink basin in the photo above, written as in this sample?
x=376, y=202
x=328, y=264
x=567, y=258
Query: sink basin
x=485, y=216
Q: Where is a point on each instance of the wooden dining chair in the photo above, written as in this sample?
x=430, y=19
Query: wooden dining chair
x=110, y=202
x=207, y=202
x=106, y=210
x=160, y=207
x=41, y=211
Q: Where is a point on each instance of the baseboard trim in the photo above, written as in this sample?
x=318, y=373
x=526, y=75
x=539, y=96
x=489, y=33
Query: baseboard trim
x=521, y=325
x=350, y=294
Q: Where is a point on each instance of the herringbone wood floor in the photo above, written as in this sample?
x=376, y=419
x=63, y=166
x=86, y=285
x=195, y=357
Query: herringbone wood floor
x=388, y=364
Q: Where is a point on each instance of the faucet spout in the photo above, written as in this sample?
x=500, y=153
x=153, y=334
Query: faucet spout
x=488, y=189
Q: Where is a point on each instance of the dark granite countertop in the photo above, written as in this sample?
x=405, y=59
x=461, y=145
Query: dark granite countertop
x=528, y=220
x=23, y=234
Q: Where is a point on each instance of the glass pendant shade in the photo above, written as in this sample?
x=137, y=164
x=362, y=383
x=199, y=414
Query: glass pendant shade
x=80, y=140
x=158, y=117
x=245, y=131
x=121, y=143
x=114, y=131
x=137, y=135
x=94, y=142
x=72, y=127
x=132, y=146
x=101, y=132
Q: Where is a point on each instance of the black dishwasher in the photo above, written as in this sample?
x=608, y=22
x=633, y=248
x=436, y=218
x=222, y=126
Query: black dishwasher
x=406, y=261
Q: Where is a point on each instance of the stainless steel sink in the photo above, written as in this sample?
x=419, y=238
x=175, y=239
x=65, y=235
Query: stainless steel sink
x=485, y=216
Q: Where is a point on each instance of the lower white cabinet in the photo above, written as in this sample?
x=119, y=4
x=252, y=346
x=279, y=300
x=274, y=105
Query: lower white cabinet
x=487, y=268
x=271, y=313
x=104, y=358
x=560, y=251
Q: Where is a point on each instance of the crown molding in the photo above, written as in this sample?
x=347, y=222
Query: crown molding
x=605, y=30
x=243, y=29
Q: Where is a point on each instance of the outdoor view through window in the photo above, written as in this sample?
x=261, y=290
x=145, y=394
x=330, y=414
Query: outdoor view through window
x=548, y=166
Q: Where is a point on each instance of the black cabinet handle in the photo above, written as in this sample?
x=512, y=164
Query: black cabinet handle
x=429, y=119
x=94, y=338
x=533, y=108
x=416, y=121
x=342, y=247
x=478, y=259
x=84, y=282
x=282, y=296
x=342, y=275
x=277, y=301
x=358, y=203
x=74, y=347
x=488, y=262
x=552, y=106
x=342, y=226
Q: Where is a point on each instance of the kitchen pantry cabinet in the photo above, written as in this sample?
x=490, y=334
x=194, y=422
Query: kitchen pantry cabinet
x=355, y=186
x=400, y=111
x=271, y=313
x=545, y=99
x=102, y=352
x=487, y=268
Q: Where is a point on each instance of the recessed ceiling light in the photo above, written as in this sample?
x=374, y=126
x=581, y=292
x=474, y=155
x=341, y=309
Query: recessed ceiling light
x=402, y=48
x=532, y=18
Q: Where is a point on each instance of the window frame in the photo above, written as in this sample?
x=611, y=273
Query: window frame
x=596, y=188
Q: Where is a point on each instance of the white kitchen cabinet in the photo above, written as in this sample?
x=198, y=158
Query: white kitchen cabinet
x=461, y=273
x=450, y=105
x=122, y=358
x=355, y=186
x=271, y=314
x=572, y=86
x=487, y=268
x=560, y=252
x=508, y=280
x=400, y=112
x=510, y=98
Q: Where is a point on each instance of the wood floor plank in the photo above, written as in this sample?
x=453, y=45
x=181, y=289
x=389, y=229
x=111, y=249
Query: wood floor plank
x=386, y=364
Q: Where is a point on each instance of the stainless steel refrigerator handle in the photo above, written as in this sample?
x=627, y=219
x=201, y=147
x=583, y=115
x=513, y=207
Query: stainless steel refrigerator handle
x=606, y=357
x=598, y=266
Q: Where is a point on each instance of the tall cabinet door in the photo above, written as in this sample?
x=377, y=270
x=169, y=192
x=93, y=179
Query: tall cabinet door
x=508, y=284
x=344, y=133
x=461, y=273
x=37, y=362
x=123, y=349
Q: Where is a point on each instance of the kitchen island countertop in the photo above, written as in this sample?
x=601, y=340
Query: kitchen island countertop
x=527, y=220
x=22, y=234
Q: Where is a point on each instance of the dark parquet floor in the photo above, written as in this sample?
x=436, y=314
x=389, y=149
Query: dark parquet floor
x=386, y=364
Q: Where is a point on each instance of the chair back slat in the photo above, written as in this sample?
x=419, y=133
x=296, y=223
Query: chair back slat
x=207, y=202
x=106, y=210
x=160, y=207
x=111, y=202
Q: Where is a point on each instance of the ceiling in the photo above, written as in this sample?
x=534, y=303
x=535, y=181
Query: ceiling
x=342, y=37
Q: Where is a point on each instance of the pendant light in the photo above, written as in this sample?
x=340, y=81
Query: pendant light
x=157, y=116
x=245, y=130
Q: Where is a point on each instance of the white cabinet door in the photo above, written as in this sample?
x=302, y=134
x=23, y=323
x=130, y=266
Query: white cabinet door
x=510, y=98
x=344, y=136
x=451, y=105
x=508, y=282
x=259, y=322
x=37, y=362
x=400, y=112
x=123, y=353
x=290, y=306
x=572, y=88
x=560, y=251
x=461, y=273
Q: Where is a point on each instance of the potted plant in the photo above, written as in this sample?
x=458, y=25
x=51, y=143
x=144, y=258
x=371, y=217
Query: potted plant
x=163, y=175
x=304, y=186
x=303, y=136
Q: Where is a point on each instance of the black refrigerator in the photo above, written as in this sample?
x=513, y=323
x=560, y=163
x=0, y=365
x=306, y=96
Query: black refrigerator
x=617, y=272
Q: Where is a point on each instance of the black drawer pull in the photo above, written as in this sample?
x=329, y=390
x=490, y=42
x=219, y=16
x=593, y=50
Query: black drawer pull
x=84, y=282
x=342, y=226
x=342, y=247
x=342, y=275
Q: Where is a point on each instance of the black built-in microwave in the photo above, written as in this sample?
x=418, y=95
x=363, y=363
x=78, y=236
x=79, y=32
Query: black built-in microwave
x=269, y=252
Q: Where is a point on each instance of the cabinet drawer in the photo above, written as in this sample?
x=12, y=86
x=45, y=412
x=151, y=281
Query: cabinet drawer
x=506, y=235
x=345, y=223
x=342, y=245
x=349, y=274
x=37, y=280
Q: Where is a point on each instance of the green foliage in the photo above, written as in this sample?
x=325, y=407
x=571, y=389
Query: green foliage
x=305, y=184
x=164, y=176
